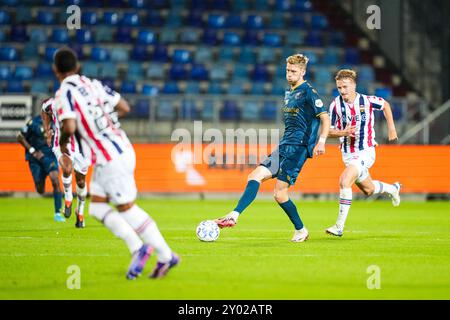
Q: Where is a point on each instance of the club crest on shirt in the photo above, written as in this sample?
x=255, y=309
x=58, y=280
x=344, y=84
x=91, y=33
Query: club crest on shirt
x=298, y=95
x=318, y=103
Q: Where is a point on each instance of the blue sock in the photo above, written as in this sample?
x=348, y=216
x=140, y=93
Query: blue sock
x=57, y=199
x=291, y=210
x=248, y=196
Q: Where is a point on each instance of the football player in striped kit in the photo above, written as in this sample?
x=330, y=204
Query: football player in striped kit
x=352, y=121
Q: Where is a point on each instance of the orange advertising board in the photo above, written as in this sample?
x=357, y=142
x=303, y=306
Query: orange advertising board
x=421, y=169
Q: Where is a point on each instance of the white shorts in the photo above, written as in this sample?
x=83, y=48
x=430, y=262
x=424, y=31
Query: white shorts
x=115, y=180
x=362, y=160
x=80, y=164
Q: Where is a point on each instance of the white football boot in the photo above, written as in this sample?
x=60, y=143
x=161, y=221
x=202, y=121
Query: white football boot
x=395, y=197
x=335, y=231
x=300, y=235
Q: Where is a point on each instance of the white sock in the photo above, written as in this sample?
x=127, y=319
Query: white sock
x=116, y=224
x=345, y=202
x=81, y=192
x=234, y=215
x=147, y=229
x=382, y=187
x=67, y=184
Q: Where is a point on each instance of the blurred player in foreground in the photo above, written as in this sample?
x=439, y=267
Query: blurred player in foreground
x=80, y=103
x=302, y=110
x=41, y=161
x=352, y=121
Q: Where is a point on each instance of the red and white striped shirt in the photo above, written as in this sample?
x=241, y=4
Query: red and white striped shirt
x=358, y=114
x=84, y=99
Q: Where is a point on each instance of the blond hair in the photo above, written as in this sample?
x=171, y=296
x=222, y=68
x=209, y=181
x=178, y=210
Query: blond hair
x=299, y=59
x=346, y=74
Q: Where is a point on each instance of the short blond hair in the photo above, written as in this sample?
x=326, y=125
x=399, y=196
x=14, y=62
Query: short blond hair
x=346, y=74
x=299, y=59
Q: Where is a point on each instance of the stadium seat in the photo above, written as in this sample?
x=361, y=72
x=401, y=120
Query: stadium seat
x=18, y=33
x=84, y=36
x=46, y=17
x=314, y=39
x=331, y=56
x=138, y=4
x=223, y=5
x=260, y=73
x=302, y=6
x=155, y=71
x=312, y=56
x=165, y=110
x=3, y=36
x=231, y=38
x=99, y=54
x=192, y=87
x=119, y=54
x=258, y=88
x=277, y=21
x=210, y=37
x=170, y=88
x=207, y=112
x=255, y=22
x=60, y=35
x=128, y=87
x=181, y=56
x=23, y=15
x=104, y=34
x=230, y=110
x=160, y=53
x=226, y=54
x=130, y=19
x=39, y=86
x=365, y=73
x=336, y=38
x=251, y=37
x=218, y=73
x=123, y=35
x=234, y=21
x=383, y=92
x=351, y=56
x=155, y=19
x=23, y=72
x=190, y=36
x=135, y=72
x=141, y=53
x=319, y=22
x=203, y=54
x=199, y=72
x=215, y=88
x=216, y=21
x=90, y=69
x=174, y=20
x=146, y=37
x=44, y=70
x=297, y=22
x=9, y=54
x=49, y=53
x=141, y=108
x=188, y=109
x=5, y=72
x=272, y=39
x=15, y=86
x=282, y=5
x=262, y=5
x=109, y=70
x=5, y=17
x=89, y=18
x=250, y=111
x=269, y=111
x=195, y=19
x=267, y=55
x=236, y=87
x=178, y=71
x=279, y=87
x=150, y=90
x=111, y=18
x=322, y=75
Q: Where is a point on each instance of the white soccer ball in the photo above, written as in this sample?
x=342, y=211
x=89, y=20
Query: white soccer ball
x=208, y=231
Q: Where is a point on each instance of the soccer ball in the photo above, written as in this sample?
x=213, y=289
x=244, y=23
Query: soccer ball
x=208, y=231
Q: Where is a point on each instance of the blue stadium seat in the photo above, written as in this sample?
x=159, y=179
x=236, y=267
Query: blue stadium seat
x=141, y=53
x=44, y=70
x=192, y=87
x=277, y=21
x=331, y=56
x=89, y=18
x=135, y=72
x=141, y=108
x=138, y=4
x=234, y=21
x=295, y=38
x=272, y=40
x=312, y=56
x=322, y=75
x=203, y=54
x=170, y=88
x=365, y=73
x=155, y=19
x=283, y=5
x=128, y=87
x=99, y=54
x=160, y=54
x=210, y=37
x=90, y=69
x=189, y=36
x=119, y=54
x=60, y=35
x=130, y=19
x=218, y=73
x=397, y=110
x=250, y=111
x=230, y=110
x=181, y=56
x=247, y=55
x=23, y=72
x=226, y=54
x=336, y=38
x=383, y=92
x=5, y=17
x=302, y=6
x=155, y=71
x=216, y=21
x=104, y=34
x=231, y=38
x=46, y=17
x=251, y=37
x=207, y=112
x=258, y=88
x=174, y=20
x=280, y=73
x=297, y=22
x=215, y=88
x=319, y=22
x=267, y=55
x=260, y=73
x=150, y=90
x=194, y=19
x=240, y=71
x=189, y=109
x=351, y=56
x=255, y=22
x=75, y=2
x=262, y=5
x=146, y=37
x=198, y=5
x=15, y=86
x=165, y=110
x=18, y=33
x=240, y=6
x=39, y=87
x=199, y=72
x=269, y=111
x=236, y=87
x=314, y=39
x=279, y=87
x=178, y=71
x=23, y=15
x=123, y=35
x=38, y=35
x=49, y=53
x=3, y=36
x=108, y=70
x=5, y=72
x=223, y=5
x=84, y=36
x=10, y=2
x=111, y=18
x=160, y=4
x=168, y=36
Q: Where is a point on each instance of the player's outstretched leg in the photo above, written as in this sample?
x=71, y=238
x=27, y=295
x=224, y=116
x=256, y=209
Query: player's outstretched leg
x=148, y=231
x=81, y=198
x=393, y=190
x=68, y=197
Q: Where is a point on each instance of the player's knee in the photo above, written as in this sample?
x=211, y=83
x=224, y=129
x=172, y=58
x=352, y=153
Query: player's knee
x=280, y=196
x=40, y=188
x=345, y=182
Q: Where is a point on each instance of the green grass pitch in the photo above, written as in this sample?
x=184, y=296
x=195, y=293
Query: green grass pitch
x=255, y=260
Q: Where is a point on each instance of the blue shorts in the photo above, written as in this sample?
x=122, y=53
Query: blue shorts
x=286, y=162
x=41, y=169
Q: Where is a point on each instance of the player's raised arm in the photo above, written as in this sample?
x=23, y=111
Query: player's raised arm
x=392, y=132
x=324, y=129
